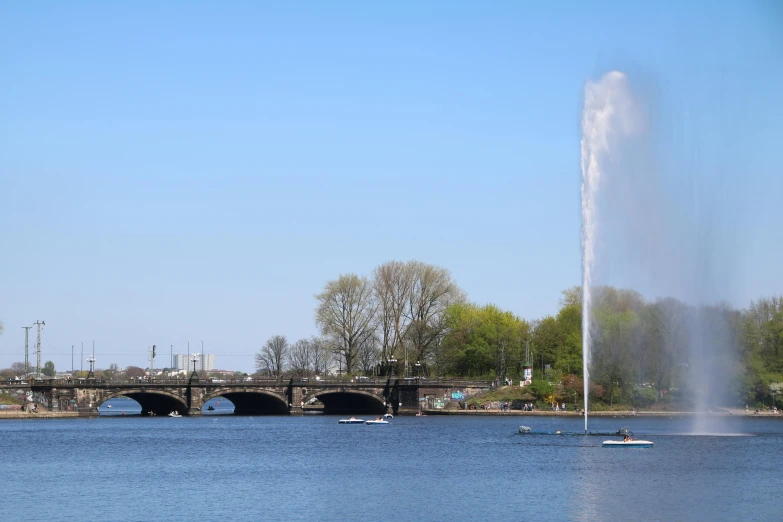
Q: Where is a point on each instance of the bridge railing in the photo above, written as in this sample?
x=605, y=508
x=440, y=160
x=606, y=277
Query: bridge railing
x=297, y=381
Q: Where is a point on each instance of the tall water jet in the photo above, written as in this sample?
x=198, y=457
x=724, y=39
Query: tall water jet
x=609, y=114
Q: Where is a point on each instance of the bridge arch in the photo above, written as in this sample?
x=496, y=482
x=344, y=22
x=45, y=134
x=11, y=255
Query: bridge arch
x=252, y=402
x=349, y=401
x=158, y=402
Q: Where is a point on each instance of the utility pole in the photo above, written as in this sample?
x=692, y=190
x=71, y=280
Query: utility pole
x=26, y=333
x=152, y=362
x=38, y=350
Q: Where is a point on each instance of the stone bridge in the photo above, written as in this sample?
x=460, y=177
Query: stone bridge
x=249, y=396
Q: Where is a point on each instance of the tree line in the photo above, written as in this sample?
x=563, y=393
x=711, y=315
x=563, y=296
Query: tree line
x=411, y=318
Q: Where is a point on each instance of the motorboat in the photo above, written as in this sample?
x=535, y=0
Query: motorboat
x=376, y=421
x=175, y=414
x=632, y=443
x=388, y=416
x=210, y=408
x=352, y=420
x=524, y=429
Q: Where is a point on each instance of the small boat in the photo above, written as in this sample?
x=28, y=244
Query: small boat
x=211, y=408
x=524, y=429
x=420, y=414
x=175, y=414
x=633, y=443
x=628, y=441
x=376, y=421
x=388, y=416
x=352, y=420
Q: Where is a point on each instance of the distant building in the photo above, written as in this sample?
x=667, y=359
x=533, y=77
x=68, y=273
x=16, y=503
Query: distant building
x=181, y=362
x=204, y=363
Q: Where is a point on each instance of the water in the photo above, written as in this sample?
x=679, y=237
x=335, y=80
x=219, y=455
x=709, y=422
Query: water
x=425, y=468
x=123, y=406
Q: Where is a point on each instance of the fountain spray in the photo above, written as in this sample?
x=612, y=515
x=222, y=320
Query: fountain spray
x=609, y=114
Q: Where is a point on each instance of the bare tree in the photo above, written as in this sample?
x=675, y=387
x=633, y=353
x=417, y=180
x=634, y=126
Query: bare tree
x=320, y=355
x=345, y=314
x=272, y=356
x=392, y=285
x=432, y=292
x=301, y=357
x=369, y=353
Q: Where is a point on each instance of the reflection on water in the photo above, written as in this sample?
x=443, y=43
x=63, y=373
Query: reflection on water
x=123, y=406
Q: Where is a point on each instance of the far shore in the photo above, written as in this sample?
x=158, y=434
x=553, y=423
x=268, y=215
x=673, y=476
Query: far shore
x=726, y=412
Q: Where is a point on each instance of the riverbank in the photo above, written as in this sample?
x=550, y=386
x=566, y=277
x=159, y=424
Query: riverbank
x=729, y=412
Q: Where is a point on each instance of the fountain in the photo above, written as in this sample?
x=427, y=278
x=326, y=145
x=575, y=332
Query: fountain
x=660, y=218
x=609, y=115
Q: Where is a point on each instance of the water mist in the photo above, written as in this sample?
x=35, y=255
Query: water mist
x=660, y=227
x=609, y=115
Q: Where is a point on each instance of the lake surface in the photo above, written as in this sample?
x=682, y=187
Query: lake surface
x=223, y=467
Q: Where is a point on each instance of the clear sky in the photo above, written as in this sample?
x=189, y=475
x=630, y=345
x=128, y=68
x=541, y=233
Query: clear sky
x=198, y=170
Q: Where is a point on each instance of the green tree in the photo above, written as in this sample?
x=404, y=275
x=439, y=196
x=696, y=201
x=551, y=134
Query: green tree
x=611, y=353
x=569, y=322
x=48, y=369
x=483, y=340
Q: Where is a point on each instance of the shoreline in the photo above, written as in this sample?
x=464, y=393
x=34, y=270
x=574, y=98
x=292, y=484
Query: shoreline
x=621, y=414
x=18, y=414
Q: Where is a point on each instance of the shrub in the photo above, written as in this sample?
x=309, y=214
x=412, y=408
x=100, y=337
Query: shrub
x=643, y=397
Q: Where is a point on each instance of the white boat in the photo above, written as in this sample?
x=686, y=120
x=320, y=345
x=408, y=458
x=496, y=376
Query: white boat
x=628, y=444
x=175, y=414
x=388, y=416
x=352, y=420
x=377, y=421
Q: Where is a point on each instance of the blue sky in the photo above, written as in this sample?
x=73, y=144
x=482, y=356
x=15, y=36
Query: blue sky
x=197, y=171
